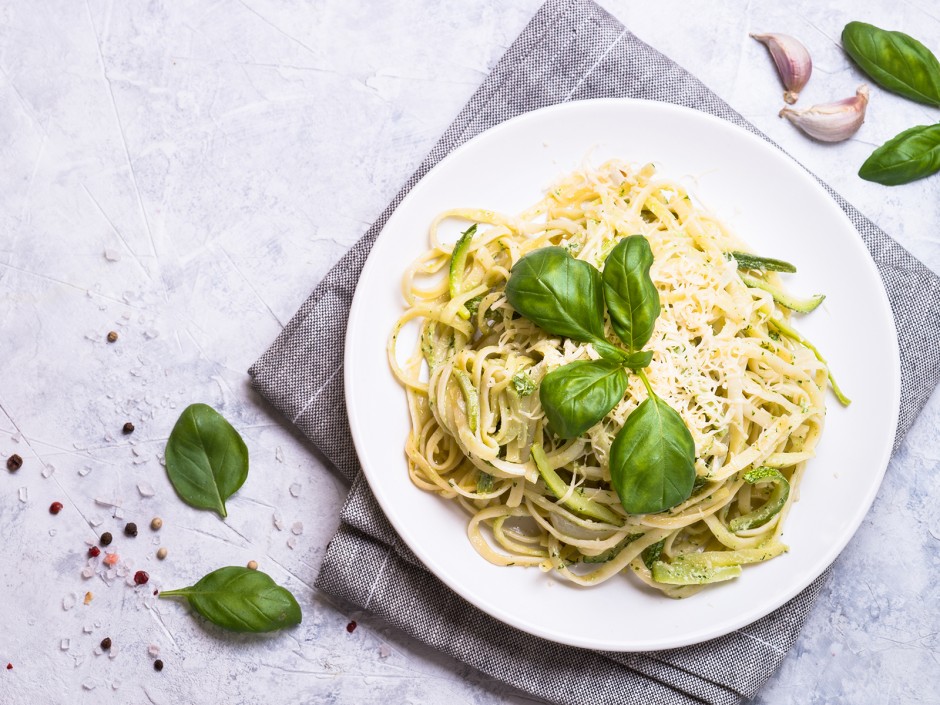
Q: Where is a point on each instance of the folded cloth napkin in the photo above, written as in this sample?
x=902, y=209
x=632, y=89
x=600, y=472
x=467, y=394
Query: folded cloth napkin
x=571, y=50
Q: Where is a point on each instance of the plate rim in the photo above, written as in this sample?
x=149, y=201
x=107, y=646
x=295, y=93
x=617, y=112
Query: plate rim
x=359, y=434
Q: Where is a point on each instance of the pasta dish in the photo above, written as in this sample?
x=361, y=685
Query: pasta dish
x=661, y=430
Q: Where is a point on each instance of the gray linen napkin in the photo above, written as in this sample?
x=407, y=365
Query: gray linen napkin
x=571, y=50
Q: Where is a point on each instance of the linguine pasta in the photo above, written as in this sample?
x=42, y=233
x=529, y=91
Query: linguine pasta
x=724, y=357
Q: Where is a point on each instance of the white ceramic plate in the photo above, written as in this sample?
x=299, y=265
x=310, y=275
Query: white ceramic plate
x=776, y=207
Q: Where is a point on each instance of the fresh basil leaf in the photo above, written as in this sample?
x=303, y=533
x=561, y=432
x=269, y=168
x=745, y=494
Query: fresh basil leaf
x=241, y=600
x=912, y=155
x=206, y=459
x=894, y=61
x=638, y=360
x=558, y=293
x=632, y=298
x=578, y=395
x=652, y=459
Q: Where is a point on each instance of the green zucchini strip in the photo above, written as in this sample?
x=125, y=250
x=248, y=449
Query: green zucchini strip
x=794, y=303
x=576, y=502
x=769, y=509
x=792, y=334
x=712, y=566
x=458, y=264
x=680, y=573
x=766, y=264
x=484, y=482
x=471, y=398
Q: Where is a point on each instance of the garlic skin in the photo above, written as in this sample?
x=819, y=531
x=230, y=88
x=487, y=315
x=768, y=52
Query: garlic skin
x=831, y=122
x=794, y=64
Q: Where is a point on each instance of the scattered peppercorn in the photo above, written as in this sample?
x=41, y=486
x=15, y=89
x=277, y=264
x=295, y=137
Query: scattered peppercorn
x=106, y=538
x=88, y=598
x=112, y=336
x=141, y=577
x=161, y=553
x=156, y=523
x=106, y=643
x=127, y=428
x=156, y=592
x=130, y=529
x=111, y=558
x=351, y=627
x=14, y=462
x=9, y=666
x=94, y=552
x=252, y=565
x=158, y=665
x=55, y=507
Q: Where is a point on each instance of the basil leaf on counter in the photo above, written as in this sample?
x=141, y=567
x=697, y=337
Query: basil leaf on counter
x=895, y=61
x=241, y=600
x=911, y=155
x=206, y=459
x=632, y=298
x=578, y=395
x=559, y=293
x=652, y=459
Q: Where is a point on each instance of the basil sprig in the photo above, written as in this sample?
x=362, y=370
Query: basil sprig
x=206, y=458
x=894, y=61
x=241, y=600
x=911, y=155
x=652, y=459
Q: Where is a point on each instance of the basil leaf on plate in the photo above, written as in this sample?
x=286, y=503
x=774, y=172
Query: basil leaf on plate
x=206, y=459
x=578, y=395
x=632, y=298
x=652, y=459
x=895, y=61
x=911, y=155
x=559, y=293
x=241, y=600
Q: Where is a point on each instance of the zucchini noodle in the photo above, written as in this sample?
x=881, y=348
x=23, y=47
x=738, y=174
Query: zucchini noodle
x=750, y=393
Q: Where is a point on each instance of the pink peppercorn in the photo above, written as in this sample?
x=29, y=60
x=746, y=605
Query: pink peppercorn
x=94, y=552
x=55, y=507
x=141, y=577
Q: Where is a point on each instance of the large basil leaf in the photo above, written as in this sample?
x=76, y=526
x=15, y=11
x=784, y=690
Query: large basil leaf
x=241, y=600
x=894, y=61
x=652, y=459
x=578, y=395
x=632, y=298
x=206, y=459
x=559, y=293
x=911, y=155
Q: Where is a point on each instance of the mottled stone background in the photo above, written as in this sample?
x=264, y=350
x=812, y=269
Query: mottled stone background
x=183, y=173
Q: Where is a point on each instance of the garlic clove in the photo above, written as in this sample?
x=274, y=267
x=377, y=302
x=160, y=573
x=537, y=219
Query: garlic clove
x=793, y=61
x=831, y=122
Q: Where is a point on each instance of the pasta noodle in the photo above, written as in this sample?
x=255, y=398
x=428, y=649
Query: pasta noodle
x=724, y=357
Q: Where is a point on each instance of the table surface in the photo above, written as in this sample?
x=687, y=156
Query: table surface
x=183, y=174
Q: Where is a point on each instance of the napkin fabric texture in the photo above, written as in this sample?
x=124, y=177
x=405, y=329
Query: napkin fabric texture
x=571, y=50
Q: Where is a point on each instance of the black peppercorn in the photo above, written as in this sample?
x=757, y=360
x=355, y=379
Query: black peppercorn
x=106, y=643
x=14, y=463
x=106, y=538
x=158, y=665
x=112, y=336
x=128, y=428
x=130, y=529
